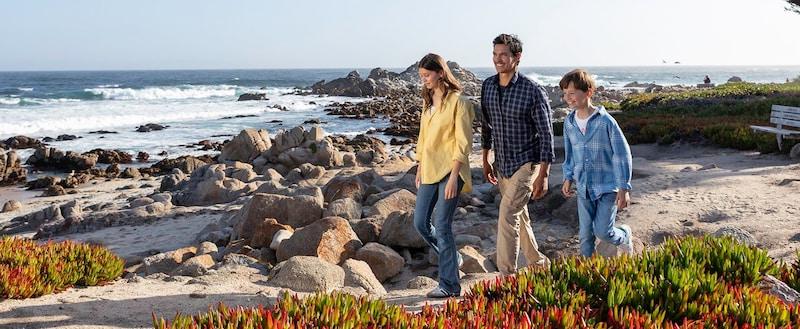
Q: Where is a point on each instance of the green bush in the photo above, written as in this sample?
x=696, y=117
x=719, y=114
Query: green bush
x=691, y=283
x=721, y=115
x=30, y=269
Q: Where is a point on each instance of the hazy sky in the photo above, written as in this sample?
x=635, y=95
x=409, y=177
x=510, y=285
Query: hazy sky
x=206, y=34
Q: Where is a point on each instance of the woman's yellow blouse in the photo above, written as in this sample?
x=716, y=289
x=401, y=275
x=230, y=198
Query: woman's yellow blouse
x=445, y=135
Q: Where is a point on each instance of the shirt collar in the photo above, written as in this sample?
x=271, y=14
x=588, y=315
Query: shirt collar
x=513, y=79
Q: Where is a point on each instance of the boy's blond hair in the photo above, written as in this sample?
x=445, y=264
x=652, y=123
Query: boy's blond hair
x=579, y=78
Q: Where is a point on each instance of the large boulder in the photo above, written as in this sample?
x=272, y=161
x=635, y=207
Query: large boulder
x=297, y=211
x=11, y=205
x=344, y=187
x=307, y=274
x=358, y=274
x=187, y=164
x=398, y=231
x=347, y=86
x=246, y=146
x=11, y=171
x=331, y=239
x=474, y=262
x=263, y=232
x=346, y=208
x=384, y=261
x=401, y=200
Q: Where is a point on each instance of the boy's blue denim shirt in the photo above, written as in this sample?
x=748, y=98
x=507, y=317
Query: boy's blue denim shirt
x=600, y=161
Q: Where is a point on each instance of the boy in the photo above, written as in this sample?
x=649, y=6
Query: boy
x=598, y=161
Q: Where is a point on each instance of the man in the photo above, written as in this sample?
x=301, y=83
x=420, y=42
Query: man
x=517, y=126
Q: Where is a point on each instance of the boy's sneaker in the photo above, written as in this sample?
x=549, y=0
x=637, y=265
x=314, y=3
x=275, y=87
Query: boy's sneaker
x=627, y=247
x=459, y=259
x=438, y=292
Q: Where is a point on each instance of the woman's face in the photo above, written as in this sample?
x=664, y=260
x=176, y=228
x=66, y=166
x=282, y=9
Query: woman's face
x=429, y=78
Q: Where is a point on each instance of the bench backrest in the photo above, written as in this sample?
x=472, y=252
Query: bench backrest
x=785, y=116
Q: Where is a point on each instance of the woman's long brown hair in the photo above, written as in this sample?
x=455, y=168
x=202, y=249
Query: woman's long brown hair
x=433, y=62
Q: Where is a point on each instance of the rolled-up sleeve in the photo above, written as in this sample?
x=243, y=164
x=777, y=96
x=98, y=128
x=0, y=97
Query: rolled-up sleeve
x=544, y=125
x=463, y=130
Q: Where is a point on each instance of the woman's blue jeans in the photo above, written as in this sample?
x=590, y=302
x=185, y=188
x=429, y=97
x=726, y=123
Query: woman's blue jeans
x=433, y=208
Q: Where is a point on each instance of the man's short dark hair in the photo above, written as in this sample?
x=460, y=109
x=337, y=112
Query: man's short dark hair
x=511, y=41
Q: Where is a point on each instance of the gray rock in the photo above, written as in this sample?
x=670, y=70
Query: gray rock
x=307, y=274
x=358, y=274
x=771, y=285
x=402, y=200
x=398, y=231
x=331, y=239
x=12, y=205
x=738, y=234
x=384, y=261
x=346, y=208
x=421, y=282
x=246, y=146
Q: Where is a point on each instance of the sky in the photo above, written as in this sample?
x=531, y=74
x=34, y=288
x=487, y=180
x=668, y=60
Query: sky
x=212, y=34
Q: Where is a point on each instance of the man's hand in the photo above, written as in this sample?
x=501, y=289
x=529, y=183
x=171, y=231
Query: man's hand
x=566, y=189
x=488, y=173
x=623, y=199
x=540, y=186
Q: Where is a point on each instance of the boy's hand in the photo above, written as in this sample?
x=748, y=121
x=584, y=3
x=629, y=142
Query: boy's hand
x=623, y=199
x=566, y=189
x=488, y=173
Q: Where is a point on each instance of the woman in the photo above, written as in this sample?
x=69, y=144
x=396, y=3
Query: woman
x=443, y=147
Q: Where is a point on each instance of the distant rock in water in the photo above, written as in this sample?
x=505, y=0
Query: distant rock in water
x=150, y=127
x=382, y=82
x=253, y=97
x=21, y=142
x=735, y=79
x=60, y=138
x=103, y=132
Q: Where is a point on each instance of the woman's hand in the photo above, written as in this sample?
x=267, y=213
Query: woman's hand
x=416, y=178
x=451, y=190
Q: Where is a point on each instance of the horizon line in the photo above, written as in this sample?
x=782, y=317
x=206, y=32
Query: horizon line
x=384, y=67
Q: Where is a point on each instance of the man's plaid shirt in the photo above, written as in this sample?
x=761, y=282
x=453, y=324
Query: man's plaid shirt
x=520, y=130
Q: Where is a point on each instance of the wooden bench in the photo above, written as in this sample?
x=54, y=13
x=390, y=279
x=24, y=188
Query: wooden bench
x=787, y=121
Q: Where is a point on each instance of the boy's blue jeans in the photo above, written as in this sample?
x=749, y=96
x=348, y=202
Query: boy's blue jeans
x=596, y=220
x=432, y=207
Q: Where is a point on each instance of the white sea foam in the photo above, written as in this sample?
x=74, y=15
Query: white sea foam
x=24, y=89
x=9, y=100
x=154, y=93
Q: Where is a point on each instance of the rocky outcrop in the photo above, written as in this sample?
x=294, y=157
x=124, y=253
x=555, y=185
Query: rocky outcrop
x=47, y=221
x=296, y=211
x=246, y=146
x=51, y=158
x=187, y=164
x=210, y=185
x=21, y=142
x=150, y=127
x=381, y=83
x=295, y=147
x=110, y=156
x=11, y=171
x=384, y=261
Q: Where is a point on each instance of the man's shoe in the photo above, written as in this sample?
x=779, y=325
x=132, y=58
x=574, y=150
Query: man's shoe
x=438, y=292
x=627, y=247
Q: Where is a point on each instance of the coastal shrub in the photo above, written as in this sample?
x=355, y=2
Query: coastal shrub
x=720, y=115
x=690, y=283
x=790, y=274
x=32, y=269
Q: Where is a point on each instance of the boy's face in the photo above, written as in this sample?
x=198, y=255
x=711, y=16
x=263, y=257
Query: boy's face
x=504, y=60
x=577, y=98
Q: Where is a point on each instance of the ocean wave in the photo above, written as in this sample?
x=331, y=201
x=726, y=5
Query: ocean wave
x=9, y=101
x=154, y=93
x=108, y=86
x=24, y=89
x=542, y=79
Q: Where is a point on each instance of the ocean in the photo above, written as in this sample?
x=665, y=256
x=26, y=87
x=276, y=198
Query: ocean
x=194, y=103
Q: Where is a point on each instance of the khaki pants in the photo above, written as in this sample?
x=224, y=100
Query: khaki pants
x=514, y=230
